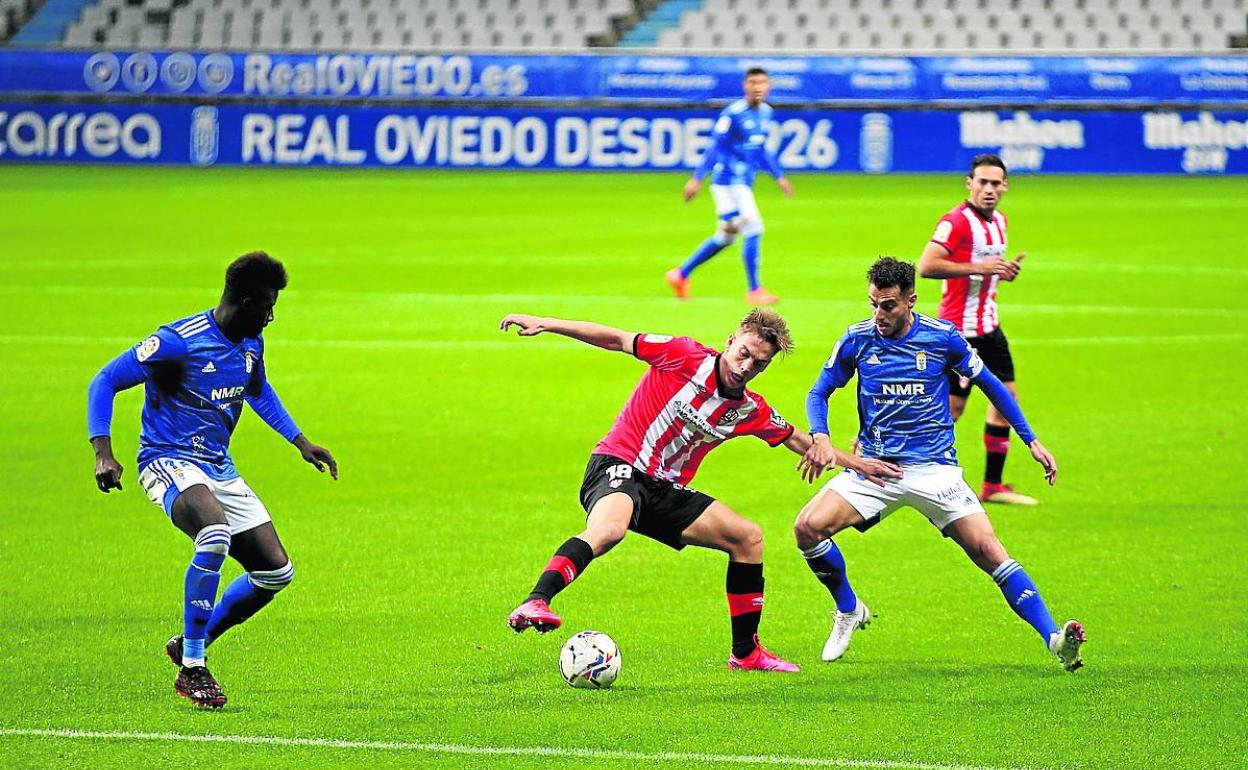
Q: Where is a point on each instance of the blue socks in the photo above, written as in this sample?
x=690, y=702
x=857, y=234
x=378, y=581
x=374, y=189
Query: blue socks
x=826, y=561
x=1024, y=598
x=709, y=248
x=203, y=576
x=715, y=244
x=749, y=252
x=240, y=601
x=245, y=596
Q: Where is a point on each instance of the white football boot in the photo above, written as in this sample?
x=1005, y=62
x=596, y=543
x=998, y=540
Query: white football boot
x=843, y=626
x=1065, y=645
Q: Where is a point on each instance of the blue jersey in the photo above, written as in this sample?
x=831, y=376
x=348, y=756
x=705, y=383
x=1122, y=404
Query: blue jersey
x=903, y=389
x=196, y=380
x=740, y=147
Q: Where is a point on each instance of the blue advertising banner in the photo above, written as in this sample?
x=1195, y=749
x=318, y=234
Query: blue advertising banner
x=879, y=141
x=1127, y=80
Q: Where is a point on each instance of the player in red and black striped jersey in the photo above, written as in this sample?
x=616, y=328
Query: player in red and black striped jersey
x=968, y=251
x=691, y=399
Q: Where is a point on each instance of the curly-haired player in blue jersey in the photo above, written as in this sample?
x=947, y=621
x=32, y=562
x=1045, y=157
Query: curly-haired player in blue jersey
x=903, y=360
x=739, y=148
x=197, y=374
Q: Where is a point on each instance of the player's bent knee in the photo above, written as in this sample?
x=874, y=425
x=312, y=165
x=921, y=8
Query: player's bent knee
x=272, y=580
x=212, y=543
x=993, y=554
x=726, y=234
x=603, y=535
x=214, y=539
x=746, y=542
x=805, y=535
x=987, y=553
x=751, y=535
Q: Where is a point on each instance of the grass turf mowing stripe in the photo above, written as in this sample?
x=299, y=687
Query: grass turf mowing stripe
x=663, y=298
x=533, y=751
x=507, y=344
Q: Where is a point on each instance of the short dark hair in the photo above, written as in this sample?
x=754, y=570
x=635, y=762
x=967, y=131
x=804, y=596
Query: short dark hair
x=987, y=159
x=890, y=271
x=251, y=274
x=756, y=71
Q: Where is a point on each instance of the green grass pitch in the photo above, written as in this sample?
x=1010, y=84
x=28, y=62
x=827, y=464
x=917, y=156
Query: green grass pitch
x=462, y=451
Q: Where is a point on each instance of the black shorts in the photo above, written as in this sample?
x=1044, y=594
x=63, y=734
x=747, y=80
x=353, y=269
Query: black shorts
x=994, y=350
x=661, y=510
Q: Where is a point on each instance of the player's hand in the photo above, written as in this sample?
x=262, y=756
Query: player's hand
x=107, y=472
x=876, y=471
x=994, y=265
x=530, y=325
x=317, y=455
x=786, y=186
x=691, y=189
x=1013, y=267
x=818, y=456
x=1045, y=458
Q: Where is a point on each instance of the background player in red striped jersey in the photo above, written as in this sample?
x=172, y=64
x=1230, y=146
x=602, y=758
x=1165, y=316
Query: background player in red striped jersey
x=692, y=399
x=968, y=251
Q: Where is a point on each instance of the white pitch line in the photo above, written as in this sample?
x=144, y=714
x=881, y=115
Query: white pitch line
x=512, y=751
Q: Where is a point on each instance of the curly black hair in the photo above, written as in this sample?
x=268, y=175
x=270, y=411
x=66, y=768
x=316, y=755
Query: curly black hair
x=890, y=271
x=251, y=274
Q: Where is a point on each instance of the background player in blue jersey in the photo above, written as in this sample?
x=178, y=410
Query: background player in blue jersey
x=197, y=373
x=902, y=360
x=739, y=149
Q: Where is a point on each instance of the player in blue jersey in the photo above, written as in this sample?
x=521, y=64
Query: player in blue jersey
x=739, y=149
x=197, y=374
x=902, y=360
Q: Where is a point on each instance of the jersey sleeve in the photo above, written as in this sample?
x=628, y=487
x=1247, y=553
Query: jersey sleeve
x=663, y=352
x=767, y=424
x=132, y=367
x=720, y=137
x=950, y=232
x=263, y=400
x=268, y=406
x=770, y=161
x=161, y=347
x=960, y=357
x=837, y=371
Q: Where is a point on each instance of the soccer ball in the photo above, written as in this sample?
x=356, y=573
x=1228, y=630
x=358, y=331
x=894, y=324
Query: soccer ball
x=590, y=660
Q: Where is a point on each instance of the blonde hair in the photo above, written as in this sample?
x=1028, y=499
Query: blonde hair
x=769, y=326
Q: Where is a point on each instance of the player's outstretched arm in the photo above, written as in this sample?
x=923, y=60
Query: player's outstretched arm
x=1008, y=406
x=598, y=335
x=121, y=373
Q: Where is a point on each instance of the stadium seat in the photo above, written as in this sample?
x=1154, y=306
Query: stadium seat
x=780, y=25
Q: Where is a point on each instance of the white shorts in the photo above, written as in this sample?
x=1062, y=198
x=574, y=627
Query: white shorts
x=939, y=492
x=164, y=478
x=738, y=198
